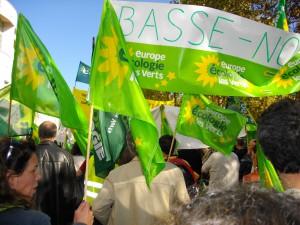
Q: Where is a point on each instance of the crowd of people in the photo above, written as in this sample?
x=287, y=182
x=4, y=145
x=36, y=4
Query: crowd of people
x=39, y=185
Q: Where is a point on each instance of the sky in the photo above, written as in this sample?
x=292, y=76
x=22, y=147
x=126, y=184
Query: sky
x=67, y=28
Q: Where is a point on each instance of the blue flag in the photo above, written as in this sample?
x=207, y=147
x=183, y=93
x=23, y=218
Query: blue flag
x=83, y=73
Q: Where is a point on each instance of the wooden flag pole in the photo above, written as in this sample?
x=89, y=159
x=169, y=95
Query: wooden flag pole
x=88, y=153
x=170, y=151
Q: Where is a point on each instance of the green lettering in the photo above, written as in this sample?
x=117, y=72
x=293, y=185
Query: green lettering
x=296, y=50
x=219, y=31
x=192, y=19
x=131, y=23
x=267, y=47
x=151, y=14
x=169, y=19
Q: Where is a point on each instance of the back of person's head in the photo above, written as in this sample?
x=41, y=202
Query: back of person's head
x=165, y=143
x=129, y=152
x=75, y=150
x=242, y=206
x=240, y=141
x=278, y=134
x=47, y=129
x=14, y=157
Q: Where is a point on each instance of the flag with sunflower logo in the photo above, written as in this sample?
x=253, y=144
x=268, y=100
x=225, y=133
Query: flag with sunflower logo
x=21, y=117
x=37, y=83
x=213, y=125
x=236, y=104
x=114, y=88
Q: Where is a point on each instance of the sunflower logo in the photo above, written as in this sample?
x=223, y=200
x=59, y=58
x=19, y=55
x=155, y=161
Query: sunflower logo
x=31, y=65
x=190, y=105
x=116, y=63
x=203, y=70
x=280, y=81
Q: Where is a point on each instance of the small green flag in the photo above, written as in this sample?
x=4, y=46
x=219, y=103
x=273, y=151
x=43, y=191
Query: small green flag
x=83, y=73
x=235, y=103
x=213, y=125
x=268, y=175
x=114, y=88
x=281, y=21
x=37, y=83
x=165, y=126
x=109, y=139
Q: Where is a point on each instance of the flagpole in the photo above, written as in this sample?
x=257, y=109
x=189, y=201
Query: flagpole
x=170, y=151
x=88, y=153
x=9, y=115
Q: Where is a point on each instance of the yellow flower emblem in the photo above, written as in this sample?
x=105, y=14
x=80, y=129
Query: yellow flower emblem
x=188, y=116
x=113, y=64
x=28, y=66
x=282, y=82
x=203, y=70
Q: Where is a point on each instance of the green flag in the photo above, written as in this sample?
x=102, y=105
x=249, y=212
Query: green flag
x=213, y=125
x=113, y=88
x=236, y=104
x=268, y=175
x=37, y=83
x=165, y=126
x=21, y=117
x=109, y=139
x=281, y=21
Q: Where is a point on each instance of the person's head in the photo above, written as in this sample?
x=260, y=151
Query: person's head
x=278, y=134
x=165, y=143
x=252, y=146
x=129, y=151
x=47, y=131
x=75, y=150
x=240, y=142
x=19, y=173
x=242, y=206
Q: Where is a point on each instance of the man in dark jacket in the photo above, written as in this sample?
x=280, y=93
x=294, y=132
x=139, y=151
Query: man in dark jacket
x=56, y=194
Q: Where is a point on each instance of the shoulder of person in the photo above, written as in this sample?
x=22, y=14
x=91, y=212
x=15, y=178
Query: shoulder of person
x=29, y=216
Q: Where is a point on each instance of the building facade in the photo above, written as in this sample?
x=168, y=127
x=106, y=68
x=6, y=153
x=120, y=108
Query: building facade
x=8, y=26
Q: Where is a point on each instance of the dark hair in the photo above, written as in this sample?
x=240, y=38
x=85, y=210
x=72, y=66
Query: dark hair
x=241, y=206
x=165, y=142
x=75, y=150
x=47, y=129
x=278, y=134
x=14, y=157
x=129, y=152
x=240, y=141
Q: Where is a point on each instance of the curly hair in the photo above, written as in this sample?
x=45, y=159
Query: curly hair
x=241, y=206
x=14, y=157
x=278, y=134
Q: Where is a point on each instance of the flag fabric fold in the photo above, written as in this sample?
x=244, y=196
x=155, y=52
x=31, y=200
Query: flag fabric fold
x=213, y=125
x=37, y=83
x=114, y=88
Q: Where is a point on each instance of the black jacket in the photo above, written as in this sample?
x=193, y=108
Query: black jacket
x=56, y=193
